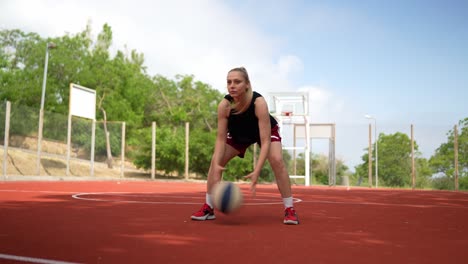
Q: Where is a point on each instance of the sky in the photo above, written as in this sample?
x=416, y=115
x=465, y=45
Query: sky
x=404, y=62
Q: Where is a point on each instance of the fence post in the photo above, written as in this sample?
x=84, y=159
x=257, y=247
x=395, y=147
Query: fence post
x=413, y=171
x=93, y=140
x=69, y=143
x=7, y=138
x=370, y=156
x=122, y=152
x=455, y=149
x=153, y=151
x=187, y=131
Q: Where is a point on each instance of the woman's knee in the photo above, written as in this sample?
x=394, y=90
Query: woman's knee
x=276, y=162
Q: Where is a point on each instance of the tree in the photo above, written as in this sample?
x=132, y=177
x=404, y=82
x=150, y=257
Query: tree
x=22, y=64
x=125, y=92
x=172, y=103
x=395, y=161
x=443, y=161
x=320, y=167
x=77, y=59
x=106, y=132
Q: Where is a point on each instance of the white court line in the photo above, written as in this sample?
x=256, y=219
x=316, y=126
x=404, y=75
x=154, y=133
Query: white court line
x=81, y=196
x=78, y=196
x=31, y=191
x=389, y=204
x=297, y=200
x=34, y=260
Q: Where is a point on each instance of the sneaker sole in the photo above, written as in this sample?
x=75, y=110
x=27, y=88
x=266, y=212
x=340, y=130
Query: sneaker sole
x=290, y=222
x=203, y=218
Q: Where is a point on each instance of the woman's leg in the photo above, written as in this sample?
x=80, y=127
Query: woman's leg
x=282, y=180
x=214, y=175
x=275, y=158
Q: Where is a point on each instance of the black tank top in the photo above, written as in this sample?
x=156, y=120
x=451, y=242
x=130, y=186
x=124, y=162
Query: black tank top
x=243, y=128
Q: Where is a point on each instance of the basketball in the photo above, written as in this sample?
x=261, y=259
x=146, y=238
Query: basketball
x=227, y=197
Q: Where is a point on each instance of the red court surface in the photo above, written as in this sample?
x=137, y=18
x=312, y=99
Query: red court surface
x=148, y=222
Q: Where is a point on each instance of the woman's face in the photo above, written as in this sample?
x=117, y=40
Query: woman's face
x=236, y=84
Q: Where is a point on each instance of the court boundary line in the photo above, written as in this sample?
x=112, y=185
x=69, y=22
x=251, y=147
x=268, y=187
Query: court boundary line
x=78, y=196
x=297, y=200
x=33, y=260
x=388, y=204
x=37, y=191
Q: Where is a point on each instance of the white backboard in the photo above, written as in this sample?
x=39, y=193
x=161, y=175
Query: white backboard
x=82, y=101
x=283, y=103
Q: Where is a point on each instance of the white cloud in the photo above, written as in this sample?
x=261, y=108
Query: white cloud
x=290, y=64
x=324, y=106
x=203, y=38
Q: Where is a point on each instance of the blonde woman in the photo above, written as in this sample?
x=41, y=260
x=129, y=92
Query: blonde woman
x=244, y=119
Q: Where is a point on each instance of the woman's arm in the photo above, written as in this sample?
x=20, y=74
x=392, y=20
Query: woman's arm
x=263, y=115
x=223, y=114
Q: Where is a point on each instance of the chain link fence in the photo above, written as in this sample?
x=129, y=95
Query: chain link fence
x=24, y=159
x=405, y=154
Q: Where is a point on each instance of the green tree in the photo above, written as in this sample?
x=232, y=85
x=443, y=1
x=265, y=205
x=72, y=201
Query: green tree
x=171, y=104
x=443, y=161
x=77, y=59
x=361, y=175
x=125, y=92
x=22, y=64
x=237, y=168
x=395, y=162
x=320, y=168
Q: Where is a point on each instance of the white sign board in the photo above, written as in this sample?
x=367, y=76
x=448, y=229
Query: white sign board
x=82, y=101
x=321, y=131
x=316, y=131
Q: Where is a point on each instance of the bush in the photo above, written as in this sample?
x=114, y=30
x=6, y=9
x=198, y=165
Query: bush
x=443, y=183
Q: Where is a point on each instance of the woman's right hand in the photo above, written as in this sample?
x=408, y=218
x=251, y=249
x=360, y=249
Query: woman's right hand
x=253, y=176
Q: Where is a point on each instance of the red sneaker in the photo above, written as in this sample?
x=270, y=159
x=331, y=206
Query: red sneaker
x=290, y=216
x=205, y=213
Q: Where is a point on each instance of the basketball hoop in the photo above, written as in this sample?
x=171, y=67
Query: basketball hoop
x=287, y=113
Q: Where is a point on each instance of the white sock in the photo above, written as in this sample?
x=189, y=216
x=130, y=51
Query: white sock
x=208, y=200
x=288, y=202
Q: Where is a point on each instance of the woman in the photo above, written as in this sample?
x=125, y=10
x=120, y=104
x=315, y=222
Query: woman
x=244, y=119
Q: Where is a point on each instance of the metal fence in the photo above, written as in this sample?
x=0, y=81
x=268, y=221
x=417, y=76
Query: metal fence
x=353, y=145
x=23, y=157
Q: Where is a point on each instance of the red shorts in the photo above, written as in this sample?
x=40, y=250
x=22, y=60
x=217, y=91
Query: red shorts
x=275, y=137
